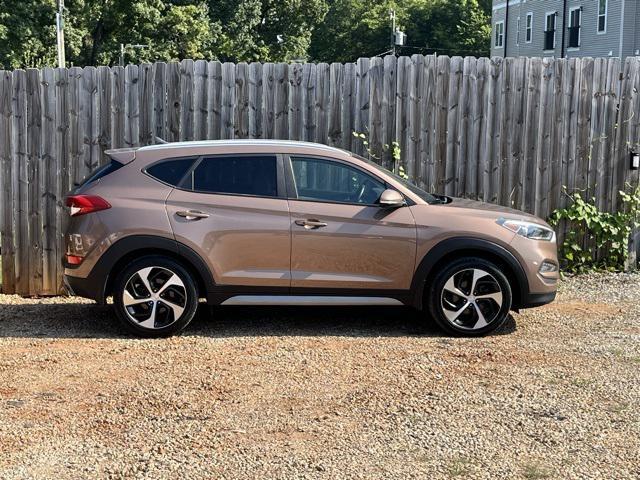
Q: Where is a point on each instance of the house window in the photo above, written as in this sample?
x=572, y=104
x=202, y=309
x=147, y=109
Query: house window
x=529, y=31
x=575, y=21
x=499, y=35
x=550, y=31
x=602, y=15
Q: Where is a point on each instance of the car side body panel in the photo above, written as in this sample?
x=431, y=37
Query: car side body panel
x=244, y=240
x=361, y=247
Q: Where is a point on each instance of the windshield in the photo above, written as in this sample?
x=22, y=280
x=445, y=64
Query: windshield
x=426, y=196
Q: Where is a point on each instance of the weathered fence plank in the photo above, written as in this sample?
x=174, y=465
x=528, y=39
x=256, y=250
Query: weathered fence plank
x=512, y=131
x=48, y=175
x=7, y=167
x=145, y=104
x=200, y=111
x=241, y=121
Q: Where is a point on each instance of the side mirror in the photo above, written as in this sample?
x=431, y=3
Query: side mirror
x=391, y=198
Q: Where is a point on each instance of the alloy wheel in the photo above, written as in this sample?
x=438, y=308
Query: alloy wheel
x=471, y=299
x=154, y=297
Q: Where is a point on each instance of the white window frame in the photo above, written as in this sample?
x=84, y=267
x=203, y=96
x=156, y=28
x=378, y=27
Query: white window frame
x=555, y=28
x=528, y=28
x=605, y=15
x=571, y=10
x=497, y=36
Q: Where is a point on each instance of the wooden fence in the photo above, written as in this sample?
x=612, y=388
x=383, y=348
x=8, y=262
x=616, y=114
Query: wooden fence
x=510, y=131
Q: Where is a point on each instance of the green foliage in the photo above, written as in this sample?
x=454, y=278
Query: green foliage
x=266, y=30
x=361, y=28
x=394, y=149
x=27, y=33
x=591, y=230
x=236, y=30
x=94, y=30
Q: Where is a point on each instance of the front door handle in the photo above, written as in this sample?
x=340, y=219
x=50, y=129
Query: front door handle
x=192, y=214
x=311, y=224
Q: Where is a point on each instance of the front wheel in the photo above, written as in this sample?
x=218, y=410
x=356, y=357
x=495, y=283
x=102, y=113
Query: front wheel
x=470, y=297
x=155, y=296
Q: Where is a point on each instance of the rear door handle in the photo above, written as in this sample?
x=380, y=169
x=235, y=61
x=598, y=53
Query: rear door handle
x=192, y=214
x=311, y=224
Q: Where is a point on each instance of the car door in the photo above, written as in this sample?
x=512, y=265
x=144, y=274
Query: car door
x=341, y=238
x=232, y=209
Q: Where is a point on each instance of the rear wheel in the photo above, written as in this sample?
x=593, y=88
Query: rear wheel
x=155, y=296
x=470, y=297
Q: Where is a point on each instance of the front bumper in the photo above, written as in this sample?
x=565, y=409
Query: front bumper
x=532, y=300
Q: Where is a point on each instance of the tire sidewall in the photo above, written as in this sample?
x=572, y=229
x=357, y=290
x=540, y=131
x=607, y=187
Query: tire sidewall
x=156, y=261
x=435, y=295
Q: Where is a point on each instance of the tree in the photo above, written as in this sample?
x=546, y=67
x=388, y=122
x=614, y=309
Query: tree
x=171, y=31
x=352, y=29
x=266, y=30
x=361, y=28
x=27, y=33
x=94, y=30
x=449, y=27
x=237, y=30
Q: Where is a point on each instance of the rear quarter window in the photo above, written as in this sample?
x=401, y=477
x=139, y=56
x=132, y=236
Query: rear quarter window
x=96, y=175
x=171, y=172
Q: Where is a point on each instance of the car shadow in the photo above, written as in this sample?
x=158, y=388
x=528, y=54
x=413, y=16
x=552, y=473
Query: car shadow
x=51, y=319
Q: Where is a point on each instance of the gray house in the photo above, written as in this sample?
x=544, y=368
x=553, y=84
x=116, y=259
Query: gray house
x=565, y=28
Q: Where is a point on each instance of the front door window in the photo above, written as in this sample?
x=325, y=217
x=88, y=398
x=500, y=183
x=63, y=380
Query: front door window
x=328, y=181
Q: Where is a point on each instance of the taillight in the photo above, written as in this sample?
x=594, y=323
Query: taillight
x=73, y=259
x=83, y=204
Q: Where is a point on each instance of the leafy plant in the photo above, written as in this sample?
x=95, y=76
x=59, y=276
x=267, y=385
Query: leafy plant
x=590, y=231
x=394, y=149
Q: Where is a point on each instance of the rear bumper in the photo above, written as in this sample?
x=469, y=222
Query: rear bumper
x=84, y=287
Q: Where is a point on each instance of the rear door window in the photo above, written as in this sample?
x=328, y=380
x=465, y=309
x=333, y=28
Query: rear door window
x=254, y=175
x=171, y=171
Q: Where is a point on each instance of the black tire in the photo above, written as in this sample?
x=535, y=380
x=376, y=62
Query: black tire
x=184, y=296
x=478, y=316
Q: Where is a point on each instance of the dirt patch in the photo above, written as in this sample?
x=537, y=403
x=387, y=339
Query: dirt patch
x=330, y=393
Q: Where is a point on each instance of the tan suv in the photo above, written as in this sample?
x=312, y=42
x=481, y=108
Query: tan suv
x=289, y=223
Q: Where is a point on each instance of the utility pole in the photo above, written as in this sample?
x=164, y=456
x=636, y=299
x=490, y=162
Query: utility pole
x=392, y=15
x=123, y=48
x=398, y=37
x=60, y=34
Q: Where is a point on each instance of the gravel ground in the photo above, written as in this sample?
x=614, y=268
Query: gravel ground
x=349, y=393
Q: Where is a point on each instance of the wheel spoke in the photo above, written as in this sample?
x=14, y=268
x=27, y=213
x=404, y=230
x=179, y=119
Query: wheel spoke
x=482, y=322
x=144, y=277
x=451, y=287
x=496, y=297
x=452, y=315
x=174, y=280
x=151, y=321
x=177, y=309
x=129, y=300
x=477, y=275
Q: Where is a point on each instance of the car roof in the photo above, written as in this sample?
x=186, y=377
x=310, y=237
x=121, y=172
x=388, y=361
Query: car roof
x=271, y=144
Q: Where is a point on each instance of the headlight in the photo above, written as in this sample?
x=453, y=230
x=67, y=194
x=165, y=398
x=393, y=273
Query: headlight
x=530, y=230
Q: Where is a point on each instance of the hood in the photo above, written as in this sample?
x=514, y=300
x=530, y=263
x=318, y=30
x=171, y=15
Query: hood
x=476, y=208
